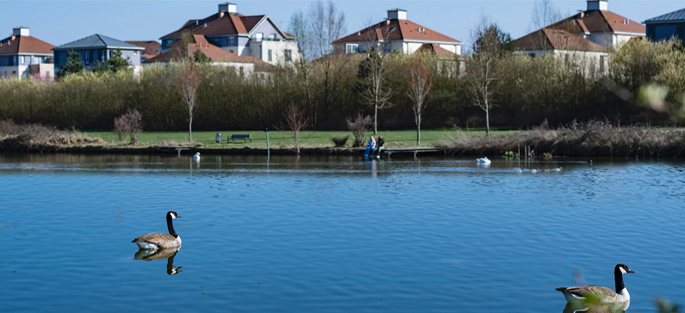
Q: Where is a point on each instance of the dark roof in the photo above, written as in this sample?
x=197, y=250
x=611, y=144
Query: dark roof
x=393, y=29
x=24, y=44
x=151, y=47
x=556, y=39
x=98, y=41
x=675, y=16
x=214, y=52
x=598, y=21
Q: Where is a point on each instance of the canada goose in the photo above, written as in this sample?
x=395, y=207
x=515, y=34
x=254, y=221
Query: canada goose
x=196, y=157
x=558, y=169
x=483, y=160
x=601, y=294
x=535, y=170
x=156, y=241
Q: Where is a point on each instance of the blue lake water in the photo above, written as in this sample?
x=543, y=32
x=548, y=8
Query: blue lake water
x=335, y=234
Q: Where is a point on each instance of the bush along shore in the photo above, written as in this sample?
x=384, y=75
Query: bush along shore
x=595, y=139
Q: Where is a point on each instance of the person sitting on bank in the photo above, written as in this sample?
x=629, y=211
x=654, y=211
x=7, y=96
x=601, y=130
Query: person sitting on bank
x=379, y=145
x=371, y=147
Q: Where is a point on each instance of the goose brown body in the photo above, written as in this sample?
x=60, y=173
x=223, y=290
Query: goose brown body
x=159, y=240
x=599, y=293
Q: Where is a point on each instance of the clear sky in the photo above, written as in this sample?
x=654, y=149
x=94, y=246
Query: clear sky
x=59, y=22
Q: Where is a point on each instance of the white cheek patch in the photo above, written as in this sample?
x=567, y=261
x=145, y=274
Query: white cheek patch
x=623, y=270
x=174, y=216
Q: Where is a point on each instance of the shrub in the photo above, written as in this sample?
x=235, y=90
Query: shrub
x=359, y=127
x=130, y=124
x=340, y=141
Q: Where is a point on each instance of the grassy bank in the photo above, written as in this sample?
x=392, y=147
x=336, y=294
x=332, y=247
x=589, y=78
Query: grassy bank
x=281, y=139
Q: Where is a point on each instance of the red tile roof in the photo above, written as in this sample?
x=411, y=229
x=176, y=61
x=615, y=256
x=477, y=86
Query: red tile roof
x=555, y=39
x=396, y=30
x=437, y=50
x=151, y=47
x=599, y=21
x=214, y=52
x=25, y=44
x=221, y=24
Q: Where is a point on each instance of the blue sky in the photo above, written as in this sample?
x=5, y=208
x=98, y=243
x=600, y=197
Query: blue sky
x=59, y=22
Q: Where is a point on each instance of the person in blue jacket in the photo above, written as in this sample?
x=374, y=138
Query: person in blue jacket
x=370, y=147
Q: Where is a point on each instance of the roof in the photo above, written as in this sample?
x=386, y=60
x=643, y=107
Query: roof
x=556, y=39
x=151, y=47
x=437, y=51
x=214, y=52
x=675, y=16
x=24, y=44
x=396, y=30
x=98, y=41
x=223, y=23
x=598, y=21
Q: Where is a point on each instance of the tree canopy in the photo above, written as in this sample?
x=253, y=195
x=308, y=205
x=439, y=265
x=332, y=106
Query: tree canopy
x=74, y=64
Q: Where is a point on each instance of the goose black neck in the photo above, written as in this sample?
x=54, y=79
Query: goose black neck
x=618, y=277
x=170, y=225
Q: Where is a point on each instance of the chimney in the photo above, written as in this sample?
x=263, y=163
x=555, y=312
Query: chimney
x=20, y=31
x=231, y=8
x=397, y=14
x=597, y=5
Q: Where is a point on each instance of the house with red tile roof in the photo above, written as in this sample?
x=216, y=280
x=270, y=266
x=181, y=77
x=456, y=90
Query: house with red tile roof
x=152, y=48
x=256, y=36
x=583, y=39
x=397, y=33
x=178, y=50
x=23, y=56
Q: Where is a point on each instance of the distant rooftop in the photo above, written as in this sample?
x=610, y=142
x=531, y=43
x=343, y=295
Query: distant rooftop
x=675, y=16
x=98, y=41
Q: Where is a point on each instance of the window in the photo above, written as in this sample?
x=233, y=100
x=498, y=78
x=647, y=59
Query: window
x=23, y=60
x=232, y=41
x=47, y=74
x=288, y=54
x=270, y=55
x=601, y=64
x=258, y=37
x=273, y=36
x=242, y=71
x=351, y=48
x=87, y=57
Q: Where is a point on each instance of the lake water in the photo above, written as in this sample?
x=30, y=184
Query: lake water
x=334, y=234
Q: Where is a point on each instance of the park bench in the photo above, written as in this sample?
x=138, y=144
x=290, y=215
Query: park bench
x=240, y=136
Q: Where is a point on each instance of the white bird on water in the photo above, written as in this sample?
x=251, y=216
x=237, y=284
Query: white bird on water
x=483, y=161
x=196, y=157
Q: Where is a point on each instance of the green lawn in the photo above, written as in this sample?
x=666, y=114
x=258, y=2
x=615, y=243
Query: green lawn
x=278, y=139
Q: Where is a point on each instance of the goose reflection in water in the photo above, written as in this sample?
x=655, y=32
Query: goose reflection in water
x=169, y=254
x=596, y=307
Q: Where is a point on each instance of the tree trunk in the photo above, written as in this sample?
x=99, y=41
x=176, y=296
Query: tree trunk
x=418, y=130
x=190, y=129
x=375, y=119
x=487, y=119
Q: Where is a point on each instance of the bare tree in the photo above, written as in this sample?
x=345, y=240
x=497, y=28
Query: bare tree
x=327, y=24
x=358, y=126
x=420, y=87
x=372, y=85
x=300, y=28
x=295, y=122
x=544, y=14
x=187, y=83
x=485, y=66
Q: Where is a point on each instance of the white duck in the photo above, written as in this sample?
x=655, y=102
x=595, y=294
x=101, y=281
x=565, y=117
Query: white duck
x=483, y=161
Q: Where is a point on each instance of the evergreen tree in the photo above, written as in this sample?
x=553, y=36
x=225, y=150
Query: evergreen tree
x=117, y=63
x=201, y=57
x=74, y=64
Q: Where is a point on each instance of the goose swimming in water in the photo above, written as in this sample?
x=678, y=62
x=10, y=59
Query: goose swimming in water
x=196, y=157
x=483, y=160
x=601, y=294
x=154, y=241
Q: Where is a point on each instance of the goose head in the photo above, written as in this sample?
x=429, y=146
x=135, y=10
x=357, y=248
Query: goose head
x=173, y=215
x=624, y=269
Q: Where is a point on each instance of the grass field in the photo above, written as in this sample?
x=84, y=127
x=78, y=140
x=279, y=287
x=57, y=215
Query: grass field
x=278, y=139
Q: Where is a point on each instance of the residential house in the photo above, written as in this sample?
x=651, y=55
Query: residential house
x=98, y=48
x=397, y=33
x=152, y=48
x=23, y=56
x=583, y=39
x=244, y=65
x=256, y=36
x=667, y=26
